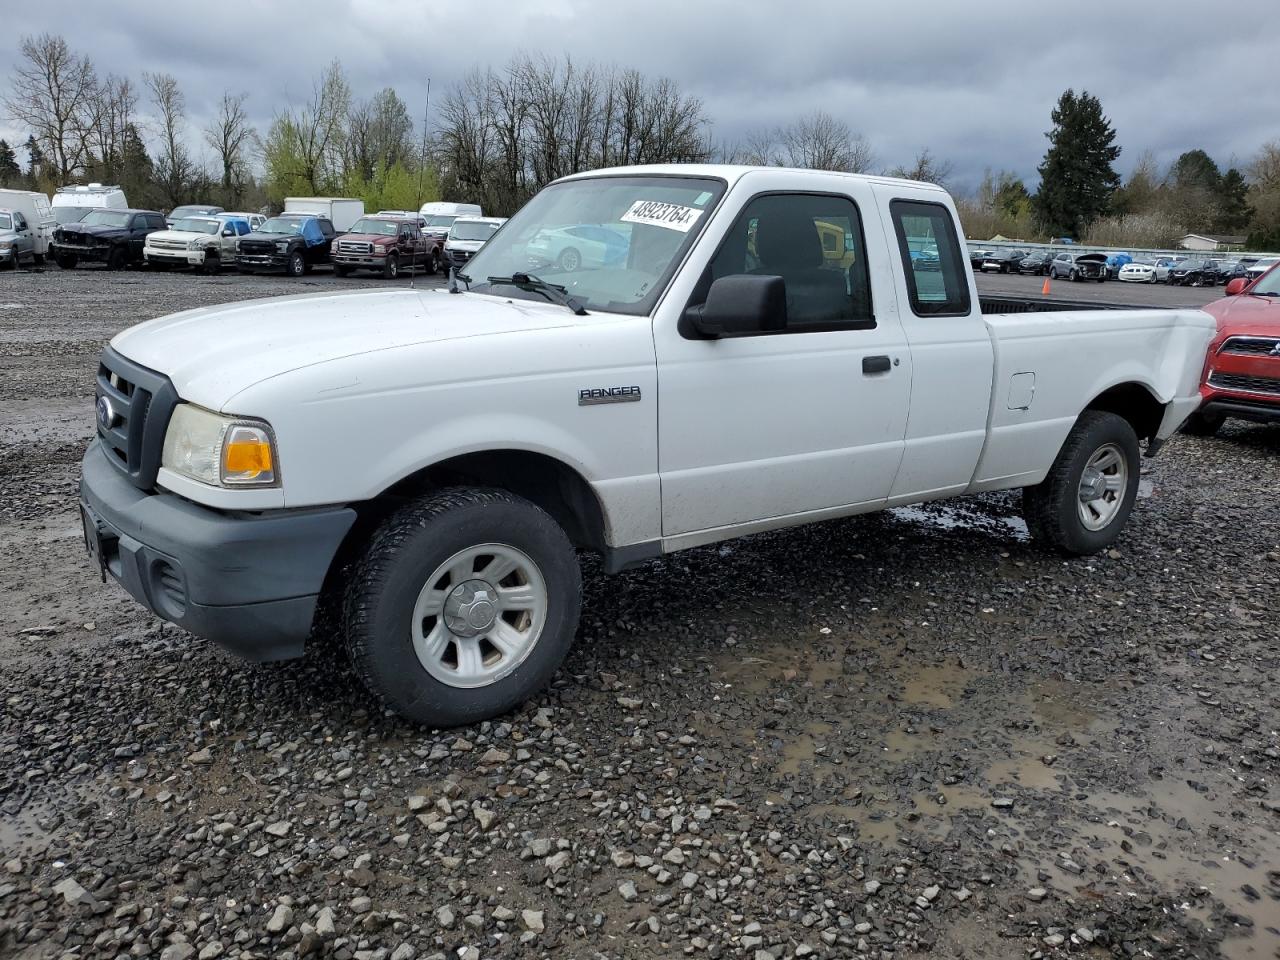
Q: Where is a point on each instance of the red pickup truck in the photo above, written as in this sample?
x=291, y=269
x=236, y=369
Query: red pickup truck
x=1242, y=371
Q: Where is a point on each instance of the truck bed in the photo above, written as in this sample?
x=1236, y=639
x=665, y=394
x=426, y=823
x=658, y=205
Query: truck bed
x=992, y=304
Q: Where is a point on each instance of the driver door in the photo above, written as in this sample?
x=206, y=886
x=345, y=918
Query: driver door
x=808, y=419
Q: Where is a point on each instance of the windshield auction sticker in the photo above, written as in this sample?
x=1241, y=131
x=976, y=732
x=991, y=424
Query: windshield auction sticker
x=658, y=214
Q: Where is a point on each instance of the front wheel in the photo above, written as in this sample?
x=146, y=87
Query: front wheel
x=67, y=261
x=391, y=267
x=1073, y=276
x=1083, y=504
x=340, y=271
x=212, y=264
x=432, y=266
x=463, y=606
x=297, y=265
x=117, y=259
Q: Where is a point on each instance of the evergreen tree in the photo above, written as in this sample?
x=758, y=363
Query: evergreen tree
x=1077, y=176
x=1234, y=212
x=35, y=163
x=10, y=172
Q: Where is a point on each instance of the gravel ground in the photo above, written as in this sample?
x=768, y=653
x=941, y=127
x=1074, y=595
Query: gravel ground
x=905, y=735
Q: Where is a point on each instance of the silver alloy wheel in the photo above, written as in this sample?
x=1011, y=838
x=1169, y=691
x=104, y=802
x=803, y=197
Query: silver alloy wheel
x=1102, y=486
x=479, y=615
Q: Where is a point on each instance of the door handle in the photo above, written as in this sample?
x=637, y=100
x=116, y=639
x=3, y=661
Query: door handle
x=880, y=364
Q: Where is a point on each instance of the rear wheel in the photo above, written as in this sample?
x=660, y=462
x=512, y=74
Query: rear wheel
x=1201, y=424
x=463, y=606
x=569, y=260
x=1082, y=505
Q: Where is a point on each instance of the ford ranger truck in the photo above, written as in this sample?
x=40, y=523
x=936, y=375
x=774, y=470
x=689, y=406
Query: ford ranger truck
x=426, y=464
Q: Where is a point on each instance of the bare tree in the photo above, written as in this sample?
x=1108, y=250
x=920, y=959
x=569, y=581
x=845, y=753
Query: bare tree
x=379, y=134
x=926, y=168
x=113, y=107
x=306, y=146
x=53, y=94
x=819, y=141
x=231, y=136
x=174, y=166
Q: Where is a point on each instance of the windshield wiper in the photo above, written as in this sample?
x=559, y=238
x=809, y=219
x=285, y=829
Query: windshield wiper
x=552, y=291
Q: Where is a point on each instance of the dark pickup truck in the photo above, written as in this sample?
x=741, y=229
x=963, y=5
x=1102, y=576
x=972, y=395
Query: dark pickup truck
x=387, y=245
x=113, y=237
x=291, y=243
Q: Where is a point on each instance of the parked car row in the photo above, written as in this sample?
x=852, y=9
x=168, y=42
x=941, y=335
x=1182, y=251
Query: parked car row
x=1065, y=264
x=94, y=224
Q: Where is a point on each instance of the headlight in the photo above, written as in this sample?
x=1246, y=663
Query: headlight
x=6, y=244
x=282, y=246
x=220, y=451
x=195, y=244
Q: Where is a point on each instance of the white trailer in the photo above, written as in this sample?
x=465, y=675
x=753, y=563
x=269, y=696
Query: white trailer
x=35, y=207
x=342, y=213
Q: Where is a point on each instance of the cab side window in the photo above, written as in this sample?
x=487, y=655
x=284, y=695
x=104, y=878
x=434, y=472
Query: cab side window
x=19, y=222
x=815, y=243
x=937, y=284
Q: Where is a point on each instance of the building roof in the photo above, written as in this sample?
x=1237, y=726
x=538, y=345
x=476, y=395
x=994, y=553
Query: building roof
x=1216, y=237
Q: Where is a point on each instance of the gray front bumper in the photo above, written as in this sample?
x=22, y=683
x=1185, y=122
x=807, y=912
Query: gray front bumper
x=249, y=582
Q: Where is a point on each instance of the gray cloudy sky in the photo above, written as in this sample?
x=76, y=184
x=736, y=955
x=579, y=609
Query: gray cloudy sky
x=972, y=80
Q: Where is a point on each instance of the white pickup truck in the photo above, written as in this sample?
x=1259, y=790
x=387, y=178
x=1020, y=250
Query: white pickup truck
x=739, y=349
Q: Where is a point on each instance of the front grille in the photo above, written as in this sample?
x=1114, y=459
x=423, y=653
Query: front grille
x=132, y=421
x=1251, y=346
x=257, y=246
x=167, y=244
x=355, y=246
x=1269, y=386
x=460, y=256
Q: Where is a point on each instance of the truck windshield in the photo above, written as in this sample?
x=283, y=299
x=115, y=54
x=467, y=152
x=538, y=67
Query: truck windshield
x=106, y=218
x=281, y=225
x=440, y=220
x=1269, y=285
x=379, y=228
x=69, y=214
x=472, y=231
x=613, y=243
x=196, y=225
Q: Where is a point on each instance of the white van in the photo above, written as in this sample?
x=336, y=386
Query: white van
x=36, y=210
x=439, y=216
x=466, y=237
x=341, y=212
x=71, y=203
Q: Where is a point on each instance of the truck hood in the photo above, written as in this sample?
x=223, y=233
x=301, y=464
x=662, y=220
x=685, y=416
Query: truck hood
x=185, y=236
x=86, y=230
x=213, y=353
x=1246, y=315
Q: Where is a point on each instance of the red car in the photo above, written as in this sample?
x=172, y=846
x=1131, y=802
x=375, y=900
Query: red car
x=1242, y=372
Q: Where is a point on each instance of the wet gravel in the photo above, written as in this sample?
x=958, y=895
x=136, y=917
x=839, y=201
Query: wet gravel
x=906, y=735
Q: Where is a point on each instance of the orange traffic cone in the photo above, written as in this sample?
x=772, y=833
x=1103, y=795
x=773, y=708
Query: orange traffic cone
x=1045, y=289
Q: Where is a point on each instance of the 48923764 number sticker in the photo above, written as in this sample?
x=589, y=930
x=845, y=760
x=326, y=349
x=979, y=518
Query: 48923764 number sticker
x=656, y=213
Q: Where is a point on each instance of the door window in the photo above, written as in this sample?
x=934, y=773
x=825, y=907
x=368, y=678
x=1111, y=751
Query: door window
x=19, y=222
x=937, y=284
x=815, y=243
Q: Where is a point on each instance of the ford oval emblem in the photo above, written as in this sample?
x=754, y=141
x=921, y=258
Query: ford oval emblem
x=107, y=415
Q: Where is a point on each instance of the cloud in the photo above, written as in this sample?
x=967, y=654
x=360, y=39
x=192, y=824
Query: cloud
x=973, y=82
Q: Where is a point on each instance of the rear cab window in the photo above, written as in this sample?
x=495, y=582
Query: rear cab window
x=932, y=258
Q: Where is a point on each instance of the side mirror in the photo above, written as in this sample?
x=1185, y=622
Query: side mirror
x=228, y=233
x=1236, y=286
x=739, y=306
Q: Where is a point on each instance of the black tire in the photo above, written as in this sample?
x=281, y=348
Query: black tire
x=1102, y=279
x=212, y=264
x=432, y=266
x=385, y=584
x=340, y=271
x=1073, y=276
x=297, y=264
x=1200, y=424
x=1051, y=507
x=117, y=259
x=67, y=261
x=391, y=267
x=569, y=260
